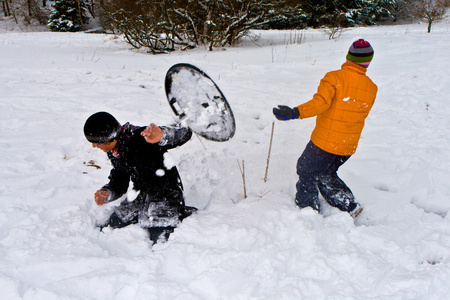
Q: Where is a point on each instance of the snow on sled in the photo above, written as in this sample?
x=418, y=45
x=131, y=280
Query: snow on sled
x=199, y=103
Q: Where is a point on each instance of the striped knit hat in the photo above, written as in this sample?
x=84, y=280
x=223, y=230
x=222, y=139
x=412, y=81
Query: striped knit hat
x=360, y=53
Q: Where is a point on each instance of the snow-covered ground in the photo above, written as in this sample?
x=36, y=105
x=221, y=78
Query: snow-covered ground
x=260, y=247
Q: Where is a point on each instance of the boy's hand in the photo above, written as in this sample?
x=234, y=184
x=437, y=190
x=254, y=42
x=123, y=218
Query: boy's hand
x=285, y=113
x=101, y=196
x=152, y=134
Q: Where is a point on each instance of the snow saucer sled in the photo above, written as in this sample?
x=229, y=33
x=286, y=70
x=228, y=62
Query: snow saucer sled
x=199, y=103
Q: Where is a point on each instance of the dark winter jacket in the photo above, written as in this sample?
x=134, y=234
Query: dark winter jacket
x=133, y=158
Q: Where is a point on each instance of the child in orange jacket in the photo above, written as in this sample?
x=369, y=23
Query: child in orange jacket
x=341, y=105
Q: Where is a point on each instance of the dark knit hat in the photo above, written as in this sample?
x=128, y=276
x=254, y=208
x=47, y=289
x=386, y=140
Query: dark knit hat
x=101, y=128
x=360, y=53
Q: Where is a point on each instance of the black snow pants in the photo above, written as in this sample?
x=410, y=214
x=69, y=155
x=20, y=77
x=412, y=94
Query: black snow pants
x=317, y=170
x=158, y=213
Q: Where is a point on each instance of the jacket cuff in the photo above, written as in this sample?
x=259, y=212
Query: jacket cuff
x=296, y=112
x=165, y=138
x=111, y=196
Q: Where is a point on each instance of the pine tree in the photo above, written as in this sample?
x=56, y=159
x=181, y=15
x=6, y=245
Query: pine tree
x=370, y=12
x=68, y=15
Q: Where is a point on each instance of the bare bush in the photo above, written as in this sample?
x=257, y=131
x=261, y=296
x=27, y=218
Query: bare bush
x=35, y=12
x=429, y=11
x=165, y=25
x=335, y=25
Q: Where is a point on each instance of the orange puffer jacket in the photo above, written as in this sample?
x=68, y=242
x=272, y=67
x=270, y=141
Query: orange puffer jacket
x=341, y=104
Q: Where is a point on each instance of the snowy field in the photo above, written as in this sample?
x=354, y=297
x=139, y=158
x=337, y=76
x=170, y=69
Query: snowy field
x=259, y=247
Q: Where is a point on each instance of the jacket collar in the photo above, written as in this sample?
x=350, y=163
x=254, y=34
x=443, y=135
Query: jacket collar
x=119, y=138
x=354, y=67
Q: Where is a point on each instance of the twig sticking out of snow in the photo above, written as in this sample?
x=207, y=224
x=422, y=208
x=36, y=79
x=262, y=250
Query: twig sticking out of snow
x=268, y=155
x=243, y=177
x=200, y=140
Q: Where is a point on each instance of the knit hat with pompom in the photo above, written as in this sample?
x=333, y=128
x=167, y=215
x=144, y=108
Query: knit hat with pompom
x=360, y=53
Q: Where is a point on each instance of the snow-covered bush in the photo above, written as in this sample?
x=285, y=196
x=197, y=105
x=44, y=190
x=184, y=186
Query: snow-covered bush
x=162, y=26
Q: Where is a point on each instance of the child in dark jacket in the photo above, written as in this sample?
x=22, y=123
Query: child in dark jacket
x=137, y=154
x=341, y=105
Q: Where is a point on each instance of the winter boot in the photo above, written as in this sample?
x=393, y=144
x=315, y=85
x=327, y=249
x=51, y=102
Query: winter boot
x=159, y=234
x=187, y=211
x=115, y=222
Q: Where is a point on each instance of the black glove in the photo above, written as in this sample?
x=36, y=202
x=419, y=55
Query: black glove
x=285, y=113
